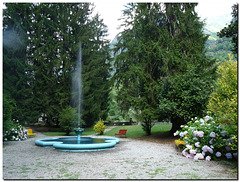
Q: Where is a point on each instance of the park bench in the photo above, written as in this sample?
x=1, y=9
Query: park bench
x=179, y=144
x=122, y=132
x=30, y=133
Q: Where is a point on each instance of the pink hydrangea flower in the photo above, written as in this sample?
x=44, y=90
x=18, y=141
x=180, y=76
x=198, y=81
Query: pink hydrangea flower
x=189, y=147
x=191, y=156
x=207, y=118
x=197, y=144
x=208, y=158
x=210, y=150
x=198, y=156
x=195, y=133
x=200, y=133
x=184, y=153
x=192, y=151
x=205, y=148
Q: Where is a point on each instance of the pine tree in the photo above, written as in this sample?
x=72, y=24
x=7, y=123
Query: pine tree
x=137, y=64
x=16, y=20
x=96, y=64
x=184, y=89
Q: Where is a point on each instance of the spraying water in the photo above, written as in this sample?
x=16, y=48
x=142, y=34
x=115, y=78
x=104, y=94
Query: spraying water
x=77, y=85
x=77, y=92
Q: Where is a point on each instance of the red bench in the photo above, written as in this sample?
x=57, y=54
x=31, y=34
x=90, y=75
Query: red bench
x=122, y=132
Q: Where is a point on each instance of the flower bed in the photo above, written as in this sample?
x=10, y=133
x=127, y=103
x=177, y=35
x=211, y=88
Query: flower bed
x=205, y=139
x=15, y=133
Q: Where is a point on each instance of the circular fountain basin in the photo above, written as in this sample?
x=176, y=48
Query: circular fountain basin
x=74, y=145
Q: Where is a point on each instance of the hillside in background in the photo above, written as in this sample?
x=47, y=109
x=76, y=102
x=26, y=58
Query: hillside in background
x=218, y=48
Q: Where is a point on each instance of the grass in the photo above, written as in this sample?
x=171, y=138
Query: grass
x=87, y=131
x=136, y=130
x=132, y=131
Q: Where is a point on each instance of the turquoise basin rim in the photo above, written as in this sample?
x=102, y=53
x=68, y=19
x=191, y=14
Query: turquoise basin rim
x=59, y=145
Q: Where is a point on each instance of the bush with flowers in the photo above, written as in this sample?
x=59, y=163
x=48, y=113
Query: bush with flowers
x=206, y=139
x=13, y=131
x=99, y=127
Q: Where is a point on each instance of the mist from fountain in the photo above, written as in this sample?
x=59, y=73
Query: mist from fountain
x=77, y=91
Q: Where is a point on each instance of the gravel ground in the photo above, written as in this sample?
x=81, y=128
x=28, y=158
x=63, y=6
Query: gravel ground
x=130, y=159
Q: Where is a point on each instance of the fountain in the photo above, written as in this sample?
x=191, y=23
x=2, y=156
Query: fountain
x=76, y=144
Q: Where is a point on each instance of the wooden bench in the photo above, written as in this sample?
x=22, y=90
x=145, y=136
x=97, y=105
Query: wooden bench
x=30, y=133
x=122, y=132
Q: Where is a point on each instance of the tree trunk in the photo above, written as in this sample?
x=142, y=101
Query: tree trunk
x=176, y=123
x=147, y=126
x=175, y=127
x=68, y=132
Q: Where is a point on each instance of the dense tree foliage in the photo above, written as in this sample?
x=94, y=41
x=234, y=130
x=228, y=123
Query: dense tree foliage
x=68, y=119
x=232, y=29
x=137, y=64
x=50, y=35
x=184, y=89
x=96, y=65
x=224, y=100
x=162, y=70
x=114, y=113
x=16, y=19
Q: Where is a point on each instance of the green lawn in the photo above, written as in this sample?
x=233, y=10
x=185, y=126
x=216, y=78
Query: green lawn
x=87, y=131
x=132, y=131
x=136, y=130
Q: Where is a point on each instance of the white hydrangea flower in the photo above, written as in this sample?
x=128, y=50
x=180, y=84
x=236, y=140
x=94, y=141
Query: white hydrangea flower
x=176, y=133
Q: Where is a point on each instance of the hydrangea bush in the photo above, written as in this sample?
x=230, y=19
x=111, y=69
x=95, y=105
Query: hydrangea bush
x=205, y=139
x=15, y=133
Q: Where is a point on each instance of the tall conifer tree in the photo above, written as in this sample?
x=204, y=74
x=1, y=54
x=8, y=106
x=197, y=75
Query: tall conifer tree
x=53, y=35
x=16, y=20
x=161, y=50
x=137, y=64
x=96, y=64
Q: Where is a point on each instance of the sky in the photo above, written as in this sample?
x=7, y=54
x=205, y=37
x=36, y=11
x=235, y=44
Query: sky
x=110, y=11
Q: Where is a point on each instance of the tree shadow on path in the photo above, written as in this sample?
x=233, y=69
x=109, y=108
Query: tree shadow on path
x=162, y=138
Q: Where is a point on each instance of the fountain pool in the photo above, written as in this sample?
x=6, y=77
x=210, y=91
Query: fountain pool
x=74, y=145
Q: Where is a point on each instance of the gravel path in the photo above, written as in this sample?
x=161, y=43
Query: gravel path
x=130, y=159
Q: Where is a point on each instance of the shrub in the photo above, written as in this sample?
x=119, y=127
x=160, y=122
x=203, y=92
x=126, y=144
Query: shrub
x=224, y=100
x=185, y=95
x=99, y=127
x=205, y=138
x=8, y=106
x=68, y=119
x=13, y=131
